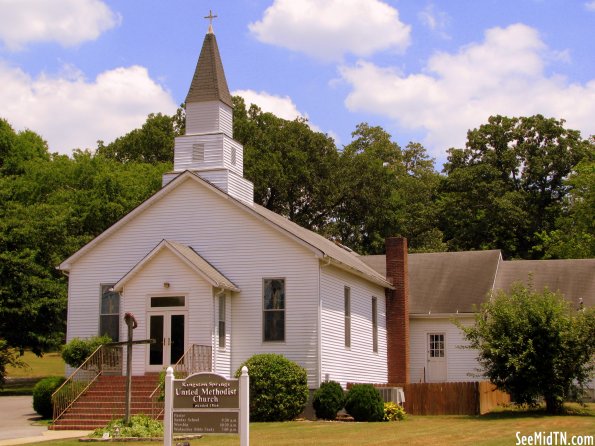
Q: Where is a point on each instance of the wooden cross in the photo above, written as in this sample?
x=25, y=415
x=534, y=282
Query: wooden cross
x=132, y=324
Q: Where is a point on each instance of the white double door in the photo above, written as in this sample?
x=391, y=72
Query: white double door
x=168, y=329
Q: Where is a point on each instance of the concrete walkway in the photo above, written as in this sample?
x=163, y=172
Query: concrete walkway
x=18, y=423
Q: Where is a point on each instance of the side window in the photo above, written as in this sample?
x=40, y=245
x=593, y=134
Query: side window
x=222, y=321
x=375, y=324
x=347, y=305
x=109, y=317
x=273, y=310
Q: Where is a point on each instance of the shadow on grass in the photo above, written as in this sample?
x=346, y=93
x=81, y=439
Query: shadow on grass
x=509, y=412
x=19, y=386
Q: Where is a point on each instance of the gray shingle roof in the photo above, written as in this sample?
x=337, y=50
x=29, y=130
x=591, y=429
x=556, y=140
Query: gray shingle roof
x=208, y=83
x=446, y=282
x=451, y=282
x=573, y=278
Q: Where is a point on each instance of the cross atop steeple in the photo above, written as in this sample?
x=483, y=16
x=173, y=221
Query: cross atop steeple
x=210, y=17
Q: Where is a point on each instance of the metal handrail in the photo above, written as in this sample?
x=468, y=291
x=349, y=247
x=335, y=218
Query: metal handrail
x=104, y=358
x=197, y=358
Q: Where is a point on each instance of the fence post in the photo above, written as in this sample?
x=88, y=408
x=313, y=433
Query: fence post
x=244, y=407
x=167, y=412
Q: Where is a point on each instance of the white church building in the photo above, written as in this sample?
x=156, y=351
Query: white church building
x=200, y=264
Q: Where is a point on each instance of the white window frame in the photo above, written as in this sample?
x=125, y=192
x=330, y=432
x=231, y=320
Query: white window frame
x=347, y=313
x=265, y=310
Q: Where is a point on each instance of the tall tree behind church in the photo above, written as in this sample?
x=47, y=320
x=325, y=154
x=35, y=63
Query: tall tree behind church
x=508, y=184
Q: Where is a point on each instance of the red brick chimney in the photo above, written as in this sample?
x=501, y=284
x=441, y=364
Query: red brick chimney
x=397, y=310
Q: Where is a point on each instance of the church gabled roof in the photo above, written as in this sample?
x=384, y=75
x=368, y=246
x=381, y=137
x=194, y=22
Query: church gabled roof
x=189, y=256
x=324, y=248
x=208, y=83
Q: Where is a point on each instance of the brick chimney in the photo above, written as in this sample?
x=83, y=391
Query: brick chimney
x=397, y=310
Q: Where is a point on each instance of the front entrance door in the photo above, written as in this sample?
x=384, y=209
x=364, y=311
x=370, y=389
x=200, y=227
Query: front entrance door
x=168, y=328
x=436, y=358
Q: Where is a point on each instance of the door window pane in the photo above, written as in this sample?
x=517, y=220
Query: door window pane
x=167, y=301
x=177, y=338
x=156, y=332
x=436, y=345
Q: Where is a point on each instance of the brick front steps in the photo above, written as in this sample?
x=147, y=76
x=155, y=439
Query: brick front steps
x=106, y=400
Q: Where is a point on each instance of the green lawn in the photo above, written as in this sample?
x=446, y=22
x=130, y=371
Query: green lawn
x=494, y=429
x=50, y=364
x=21, y=380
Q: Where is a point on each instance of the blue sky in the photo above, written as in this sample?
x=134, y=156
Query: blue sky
x=77, y=71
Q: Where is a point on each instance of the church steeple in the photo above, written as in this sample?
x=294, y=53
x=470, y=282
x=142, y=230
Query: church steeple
x=208, y=83
x=208, y=147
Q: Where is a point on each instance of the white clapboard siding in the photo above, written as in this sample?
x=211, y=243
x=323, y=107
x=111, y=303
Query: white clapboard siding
x=228, y=146
x=183, y=281
x=357, y=363
x=235, y=242
x=234, y=185
x=217, y=153
x=213, y=152
x=208, y=117
x=461, y=363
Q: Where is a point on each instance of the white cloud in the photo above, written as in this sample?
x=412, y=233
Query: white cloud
x=328, y=29
x=281, y=106
x=504, y=74
x=436, y=21
x=70, y=112
x=590, y=5
x=68, y=22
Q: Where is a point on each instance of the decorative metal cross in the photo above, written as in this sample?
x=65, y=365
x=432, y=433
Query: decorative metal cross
x=210, y=17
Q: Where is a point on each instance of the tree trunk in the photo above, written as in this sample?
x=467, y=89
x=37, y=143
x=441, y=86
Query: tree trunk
x=553, y=405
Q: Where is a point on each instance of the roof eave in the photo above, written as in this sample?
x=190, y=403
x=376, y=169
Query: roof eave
x=377, y=280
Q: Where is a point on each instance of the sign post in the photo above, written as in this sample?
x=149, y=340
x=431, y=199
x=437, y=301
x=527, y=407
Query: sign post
x=207, y=403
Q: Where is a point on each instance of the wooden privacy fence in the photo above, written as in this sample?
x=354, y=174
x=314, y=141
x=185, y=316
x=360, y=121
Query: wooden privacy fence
x=458, y=398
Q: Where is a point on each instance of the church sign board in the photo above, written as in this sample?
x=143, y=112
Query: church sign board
x=206, y=403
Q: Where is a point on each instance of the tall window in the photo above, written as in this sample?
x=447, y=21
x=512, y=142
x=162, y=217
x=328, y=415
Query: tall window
x=273, y=310
x=375, y=324
x=347, y=305
x=109, y=318
x=222, y=320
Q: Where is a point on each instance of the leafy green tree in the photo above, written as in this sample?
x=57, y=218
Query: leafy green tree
x=507, y=184
x=8, y=357
x=533, y=344
x=152, y=143
x=50, y=206
x=292, y=167
x=385, y=190
x=574, y=236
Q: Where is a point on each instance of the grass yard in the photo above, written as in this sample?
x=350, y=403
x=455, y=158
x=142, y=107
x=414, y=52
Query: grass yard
x=22, y=380
x=50, y=364
x=493, y=429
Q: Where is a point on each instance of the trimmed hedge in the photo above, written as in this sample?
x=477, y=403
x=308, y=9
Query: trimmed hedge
x=278, y=387
x=328, y=400
x=364, y=403
x=78, y=350
x=42, y=395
